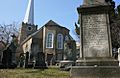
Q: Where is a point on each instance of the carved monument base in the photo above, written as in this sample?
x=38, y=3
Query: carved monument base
x=96, y=68
x=97, y=61
x=95, y=72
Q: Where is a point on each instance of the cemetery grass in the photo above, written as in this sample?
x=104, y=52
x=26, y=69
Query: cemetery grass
x=33, y=73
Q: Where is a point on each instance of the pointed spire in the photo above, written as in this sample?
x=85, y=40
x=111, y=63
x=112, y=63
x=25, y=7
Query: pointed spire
x=29, y=17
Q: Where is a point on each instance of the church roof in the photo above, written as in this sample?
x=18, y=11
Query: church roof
x=52, y=23
x=49, y=23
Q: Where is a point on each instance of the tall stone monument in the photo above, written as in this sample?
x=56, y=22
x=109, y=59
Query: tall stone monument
x=96, y=51
x=95, y=33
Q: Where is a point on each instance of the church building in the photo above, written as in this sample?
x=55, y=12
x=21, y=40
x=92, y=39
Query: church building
x=50, y=39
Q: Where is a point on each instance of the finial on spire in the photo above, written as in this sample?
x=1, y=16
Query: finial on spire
x=29, y=16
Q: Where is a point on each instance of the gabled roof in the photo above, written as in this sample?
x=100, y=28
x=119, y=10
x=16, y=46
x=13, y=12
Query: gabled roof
x=51, y=22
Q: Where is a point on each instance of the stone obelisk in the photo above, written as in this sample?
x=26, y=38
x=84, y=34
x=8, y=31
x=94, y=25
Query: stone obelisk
x=96, y=51
x=95, y=35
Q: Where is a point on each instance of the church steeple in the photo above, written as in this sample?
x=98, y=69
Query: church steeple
x=28, y=27
x=29, y=16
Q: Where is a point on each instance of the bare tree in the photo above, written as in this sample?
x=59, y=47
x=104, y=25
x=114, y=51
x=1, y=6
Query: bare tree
x=6, y=30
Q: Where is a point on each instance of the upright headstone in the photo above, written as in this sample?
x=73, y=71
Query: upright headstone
x=8, y=58
x=70, y=50
x=21, y=60
x=40, y=61
x=96, y=59
x=26, y=59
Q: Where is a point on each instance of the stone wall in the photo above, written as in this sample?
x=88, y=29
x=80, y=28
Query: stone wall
x=57, y=53
x=27, y=46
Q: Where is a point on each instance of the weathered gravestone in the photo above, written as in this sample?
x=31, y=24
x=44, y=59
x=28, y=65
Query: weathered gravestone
x=95, y=52
x=69, y=55
x=70, y=50
x=26, y=62
x=40, y=60
x=30, y=60
x=21, y=60
x=8, y=59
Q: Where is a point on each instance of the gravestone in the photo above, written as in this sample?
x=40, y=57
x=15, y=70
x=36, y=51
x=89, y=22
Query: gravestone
x=8, y=59
x=26, y=60
x=69, y=57
x=40, y=61
x=96, y=51
x=70, y=50
x=21, y=60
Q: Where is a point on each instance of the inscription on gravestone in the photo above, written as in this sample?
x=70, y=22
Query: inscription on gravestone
x=95, y=35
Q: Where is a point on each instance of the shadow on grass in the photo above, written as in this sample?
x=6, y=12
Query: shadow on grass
x=35, y=71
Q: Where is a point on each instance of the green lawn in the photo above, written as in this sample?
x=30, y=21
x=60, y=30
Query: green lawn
x=33, y=73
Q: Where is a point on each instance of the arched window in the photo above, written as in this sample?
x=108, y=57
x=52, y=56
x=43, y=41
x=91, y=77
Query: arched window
x=60, y=41
x=66, y=38
x=49, y=42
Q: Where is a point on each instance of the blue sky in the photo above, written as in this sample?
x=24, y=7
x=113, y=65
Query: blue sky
x=61, y=11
